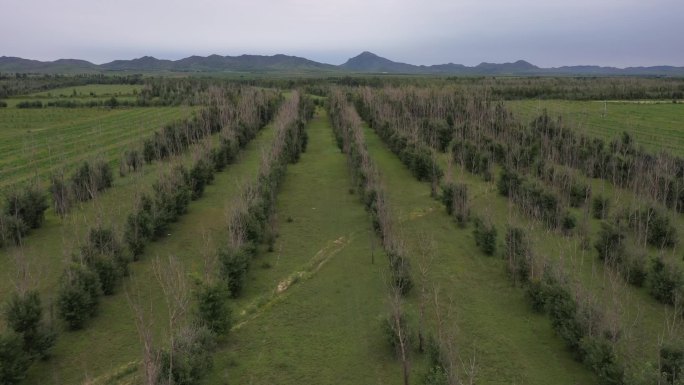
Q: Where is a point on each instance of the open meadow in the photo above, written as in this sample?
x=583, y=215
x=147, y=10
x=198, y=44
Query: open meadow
x=367, y=230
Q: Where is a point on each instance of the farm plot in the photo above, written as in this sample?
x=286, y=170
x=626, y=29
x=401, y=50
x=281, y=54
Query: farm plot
x=35, y=142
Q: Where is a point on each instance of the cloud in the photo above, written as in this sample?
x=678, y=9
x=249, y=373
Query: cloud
x=549, y=33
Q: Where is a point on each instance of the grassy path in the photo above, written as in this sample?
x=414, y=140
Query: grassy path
x=510, y=344
x=110, y=342
x=324, y=328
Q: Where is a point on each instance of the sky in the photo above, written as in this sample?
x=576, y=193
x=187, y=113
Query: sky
x=547, y=33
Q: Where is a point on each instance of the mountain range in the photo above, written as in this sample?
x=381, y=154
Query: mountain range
x=366, y=62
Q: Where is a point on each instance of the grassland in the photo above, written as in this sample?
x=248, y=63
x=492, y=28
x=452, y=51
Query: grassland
x=36, y=141
x=658, y=126
x=508, y=342
x=109, y=348
x=325, y=328
x=90, y=91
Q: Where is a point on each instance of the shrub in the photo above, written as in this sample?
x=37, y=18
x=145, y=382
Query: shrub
x=665, y=281
x=90, y=179
x=24, y=315
x=672, y=363
x=78, y=295
x=610, y=243
x=599, y=207
x=509, y=182
x=455, y=198
x=485, y=236
x=191, y=358
x=634, y=269
x=391, y=332
x=139, y=227
x=599, y=355
x=28, y=204
x=537, y=296
x=133, y=160
x=234, y=266
x=201, y=174
x=401, y=273
x=568, y=222
x=578, y=193
x=518, y=252
x=104, y=255
x=212, y=308
x=12, y=229
x=61, y=194
x=172, y=196
x=14, y=362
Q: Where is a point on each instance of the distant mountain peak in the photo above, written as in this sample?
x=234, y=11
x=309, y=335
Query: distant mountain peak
x=365, y=62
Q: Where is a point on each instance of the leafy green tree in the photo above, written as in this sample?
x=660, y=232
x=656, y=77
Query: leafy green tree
x=234, y=266
x=14, y=361
x=78, y=295
x=24, y=315
x=212, y=308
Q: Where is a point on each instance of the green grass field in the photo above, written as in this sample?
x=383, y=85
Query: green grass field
x=90, y=90
x=311, y=309
x=325, y=328
x=110, y=346
x=35, y=142
x=510, y=344
x=658, y=126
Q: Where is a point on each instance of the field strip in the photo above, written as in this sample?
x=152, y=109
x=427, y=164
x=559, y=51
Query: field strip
x=308, y=270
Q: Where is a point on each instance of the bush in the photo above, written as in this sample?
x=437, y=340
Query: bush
x=599, y=355
x=509, y=182
x=537, y=296
x=139, y=228
x=672, y=363
x=391, y=332
x=579, y=192
x=599, y=207
x=234, y=266
x=104, y=254
x=12, y=229
x=455, y=198
x=191, y=358
x=610, y=243
x=14, y=362
x=518, y=252
x=201, y=174
x=24, y=315
x=212, y=308
x=665, y=281
x=30, y=104
x=78, y=295
x=90, y=179
x=634, y=269
x=401, y=273
x=28, y=204
x=171, y=199
x=61, y=195
x=485, y=236
x=568, y=222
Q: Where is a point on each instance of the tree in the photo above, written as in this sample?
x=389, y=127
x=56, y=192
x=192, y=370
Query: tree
x=28, y=204
x=78, y=295
x=212, y=307
x=14, y=361
x=234, y=265
x=485, y=236
x=24, y=315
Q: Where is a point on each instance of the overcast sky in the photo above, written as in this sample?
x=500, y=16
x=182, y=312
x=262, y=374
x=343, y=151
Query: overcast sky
x=544, y=32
